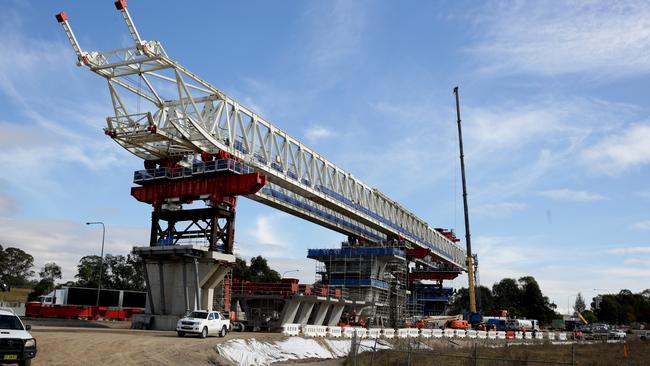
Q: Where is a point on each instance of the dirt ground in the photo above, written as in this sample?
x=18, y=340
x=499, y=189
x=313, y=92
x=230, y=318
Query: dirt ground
x=114, y=345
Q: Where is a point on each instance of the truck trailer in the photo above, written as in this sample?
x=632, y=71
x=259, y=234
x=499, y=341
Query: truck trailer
x=81, y=303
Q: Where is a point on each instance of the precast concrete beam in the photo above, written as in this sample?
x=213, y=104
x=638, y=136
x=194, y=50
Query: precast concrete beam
x=321, y=312
x=335, y=312
x=305, y=311
x=289, y=311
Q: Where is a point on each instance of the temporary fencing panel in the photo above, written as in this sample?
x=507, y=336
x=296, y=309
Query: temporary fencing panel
x=519, y=335
x=481, y=334
x=501, y=335
x=348, y=332
x=551, y=336
x=561, y=336
x=402, y=333
x=539, y=335
x=436, y=333
x=460, y=333
x=492, y=335
x=426, y=333
x=388, y=333
x=413, y=332
x=334, y=332
x=471, y=334
x=290, y=329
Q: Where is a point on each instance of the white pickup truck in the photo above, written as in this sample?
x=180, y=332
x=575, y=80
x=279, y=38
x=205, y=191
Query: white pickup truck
x=16, y=344
x=203, y=322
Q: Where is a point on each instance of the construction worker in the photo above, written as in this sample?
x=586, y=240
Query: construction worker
x=523, y=331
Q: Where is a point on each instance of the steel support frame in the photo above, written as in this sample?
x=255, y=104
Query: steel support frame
x=215, y=224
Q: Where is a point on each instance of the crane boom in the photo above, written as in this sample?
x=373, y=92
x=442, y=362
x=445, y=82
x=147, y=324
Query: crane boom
x=187, y=116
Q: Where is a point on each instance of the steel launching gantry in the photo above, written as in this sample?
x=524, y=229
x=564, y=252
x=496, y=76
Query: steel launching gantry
x=183, y=117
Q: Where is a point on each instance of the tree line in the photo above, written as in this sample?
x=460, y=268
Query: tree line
x=522, y=298
x=119, y=272
x=623, y=308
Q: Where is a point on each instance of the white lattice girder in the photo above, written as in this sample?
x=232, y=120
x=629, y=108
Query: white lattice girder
x=200, y=117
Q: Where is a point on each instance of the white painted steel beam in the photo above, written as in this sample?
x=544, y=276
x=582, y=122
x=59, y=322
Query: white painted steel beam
x=171, y=112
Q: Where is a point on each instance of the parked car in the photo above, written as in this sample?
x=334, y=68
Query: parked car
x=645, y=336
x=617, y=334
x=203, y=323
x=16, y=344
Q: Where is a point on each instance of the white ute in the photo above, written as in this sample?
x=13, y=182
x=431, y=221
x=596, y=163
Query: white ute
x=203, y=322
x=16, y=344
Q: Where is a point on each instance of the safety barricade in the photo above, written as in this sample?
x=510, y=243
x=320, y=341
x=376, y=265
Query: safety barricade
x=436, y=333
x=449, y=333
x=561, y=336
x=388, y=333
x=551, y=336
x=492, y=335
x=413, y=332
x=425, y=333
x=402, y=333
x=519, y=335
x=321, y=331
x=310, y=330
x=334, y=332
x=460, y=333
x=348, y=332
x=501, y=335
x=539, y=335
x=373, y=333
x=481, y=334
x=360, y=332
x=290, y=329
x=471, y=334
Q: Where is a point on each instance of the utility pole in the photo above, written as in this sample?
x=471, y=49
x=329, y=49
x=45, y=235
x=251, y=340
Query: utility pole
x=101, y=264
x=470, y=259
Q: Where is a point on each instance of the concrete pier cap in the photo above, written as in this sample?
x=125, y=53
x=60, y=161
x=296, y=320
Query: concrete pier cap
x=179, y=278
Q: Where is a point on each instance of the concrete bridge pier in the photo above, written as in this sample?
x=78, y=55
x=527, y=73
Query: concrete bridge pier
x=179, y=278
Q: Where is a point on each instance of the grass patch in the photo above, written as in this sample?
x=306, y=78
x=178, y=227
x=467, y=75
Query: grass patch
x=16, y=294
x=601, y=354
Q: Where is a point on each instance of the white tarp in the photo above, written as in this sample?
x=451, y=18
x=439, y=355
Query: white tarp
x=252, y=352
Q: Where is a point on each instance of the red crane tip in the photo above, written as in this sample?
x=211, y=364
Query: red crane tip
x=61, y=17
x=120, y=4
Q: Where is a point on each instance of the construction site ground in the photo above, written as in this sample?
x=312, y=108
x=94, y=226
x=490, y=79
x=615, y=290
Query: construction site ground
x=78, y=342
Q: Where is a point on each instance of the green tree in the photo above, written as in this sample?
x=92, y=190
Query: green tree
x=534, y=305
x=507, y=296
x=258, y=271
x=88, y=272
x=15, y=266
x=119, y=272
x=50, y=273
x=460, y=301
x=579, y=305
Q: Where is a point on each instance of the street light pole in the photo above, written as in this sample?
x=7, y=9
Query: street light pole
x=285, y=272
x=101, y=264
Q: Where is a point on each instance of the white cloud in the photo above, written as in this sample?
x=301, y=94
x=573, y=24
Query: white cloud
x=606, y=39
x=498, y=209
x=315, y=133
x=572, y=195
x=7, y=205
x=65, y=241
x=642, y=225
x=629, y=250
x=620, y=152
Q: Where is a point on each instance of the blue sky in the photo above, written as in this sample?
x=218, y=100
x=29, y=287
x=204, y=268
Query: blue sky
x=554, y=102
